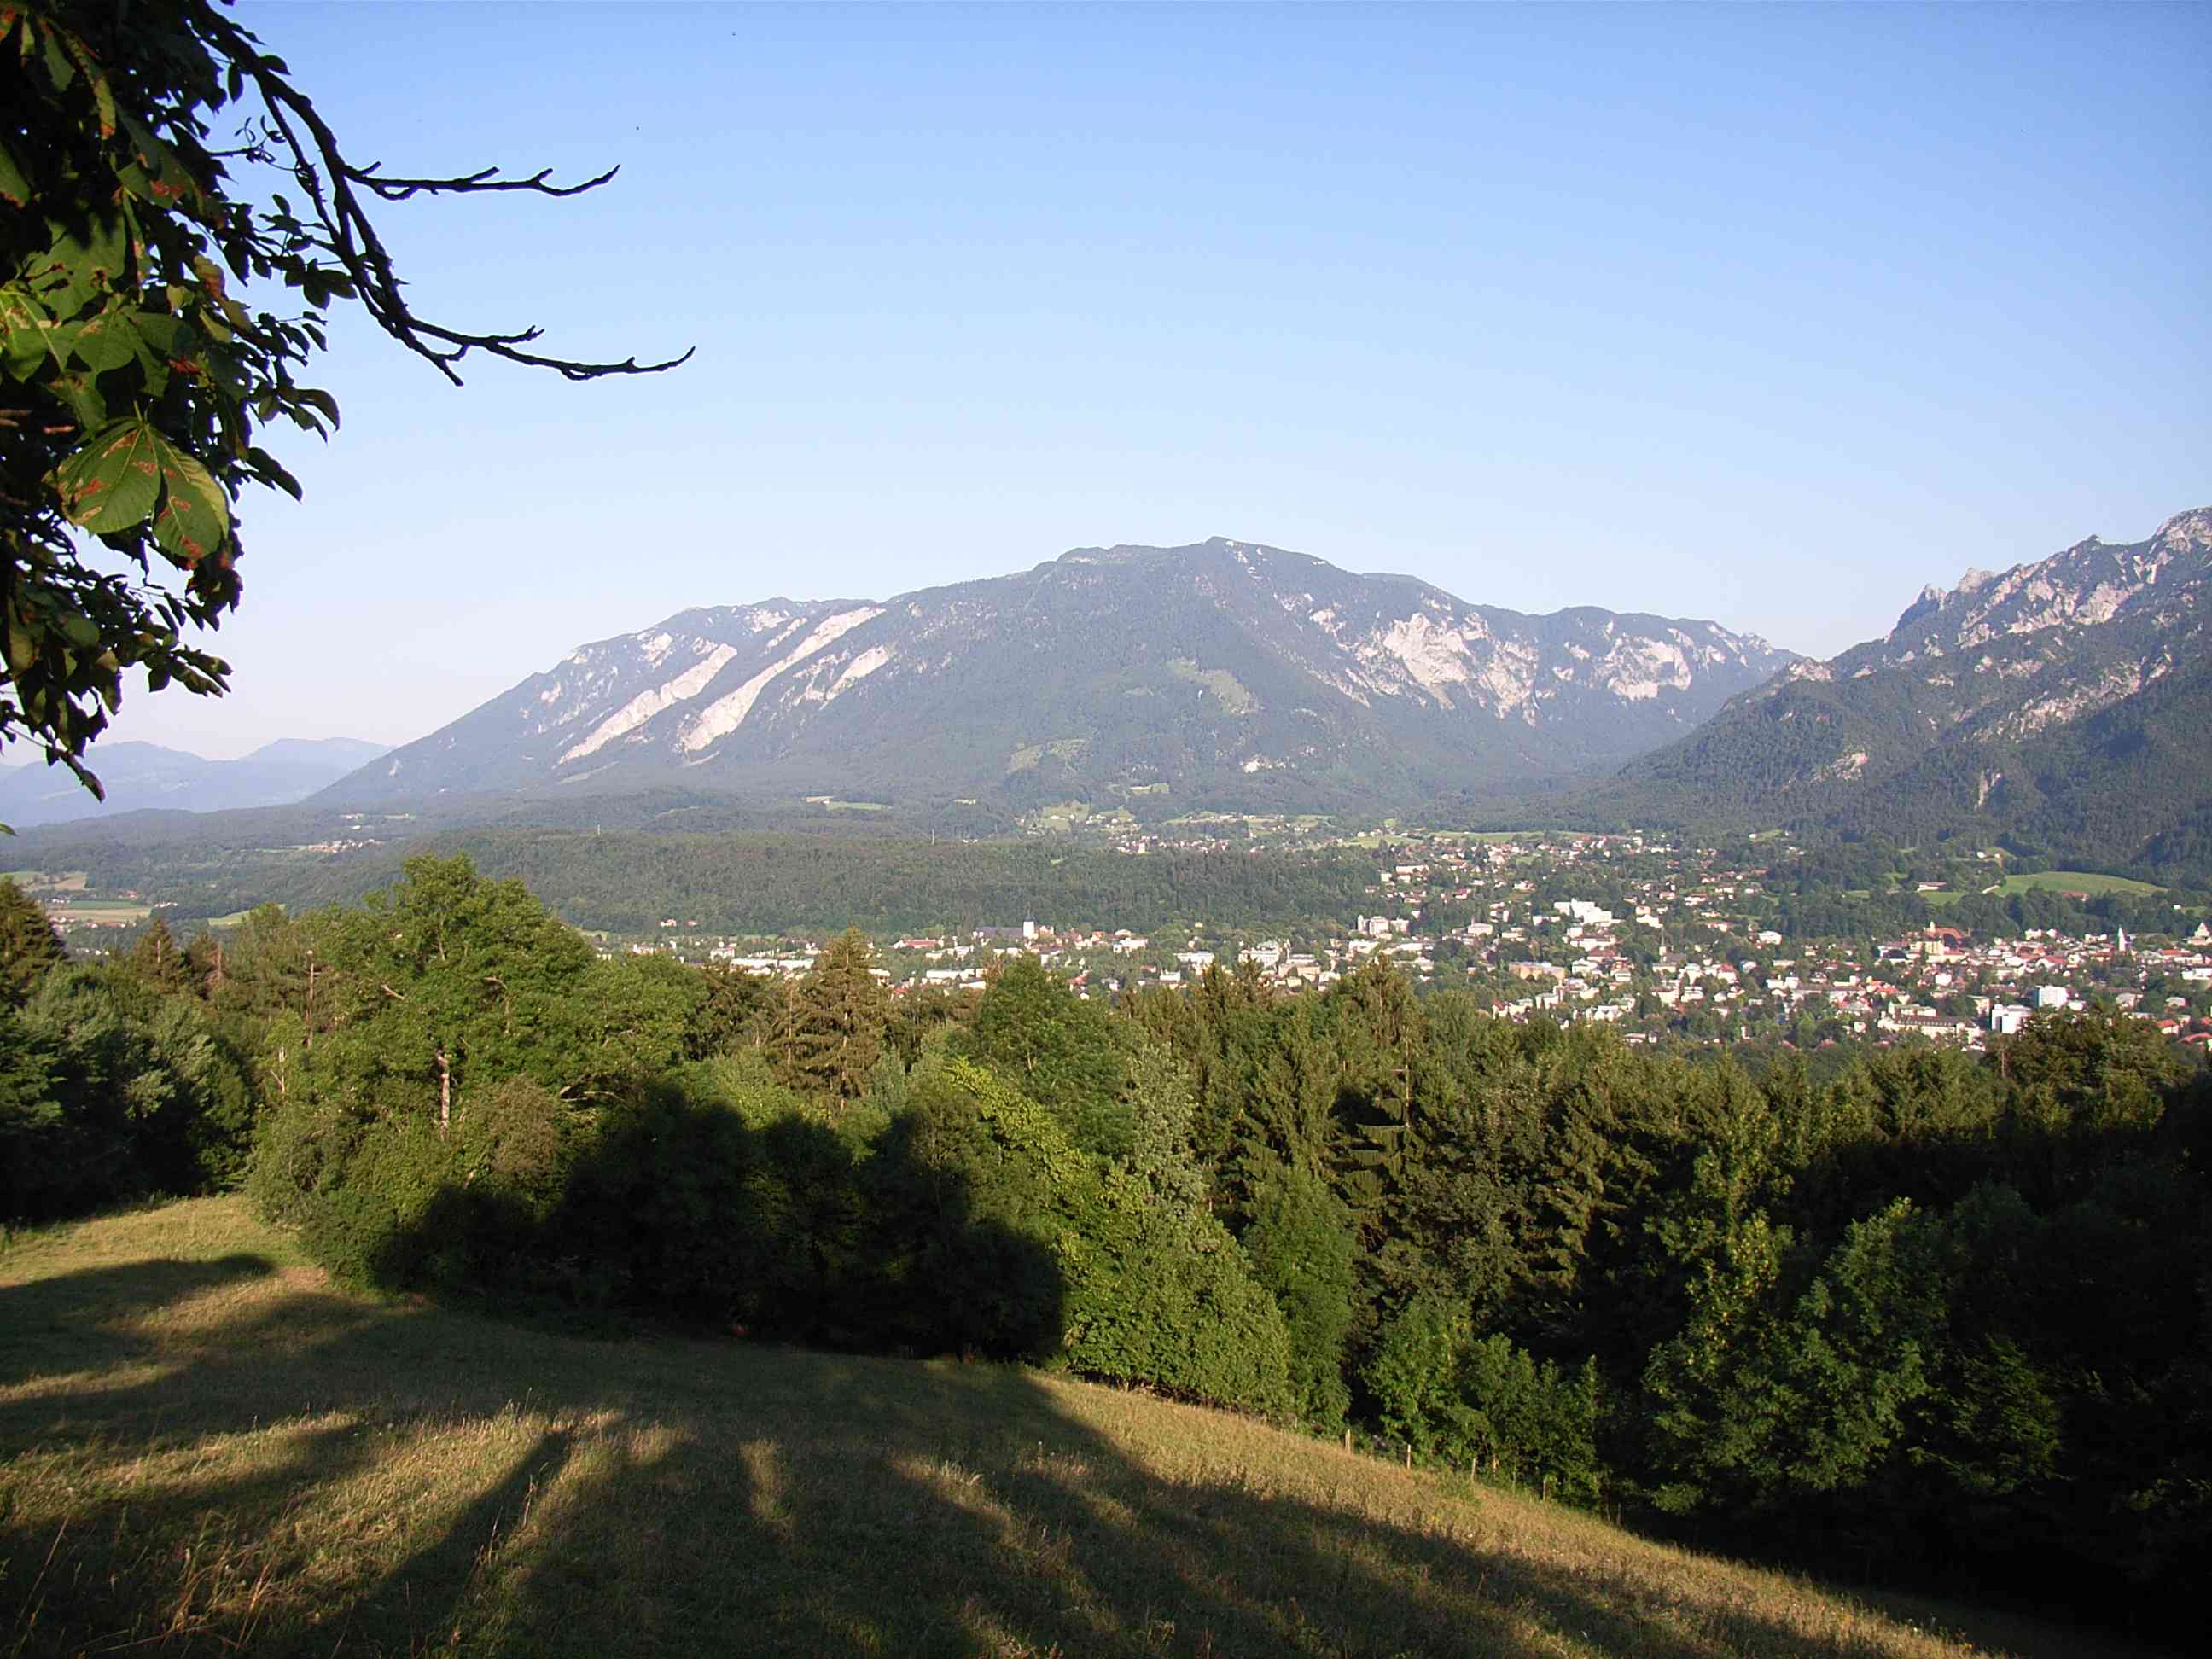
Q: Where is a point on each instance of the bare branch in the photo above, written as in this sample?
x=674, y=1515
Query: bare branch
x=484, y=178
x=350, y=237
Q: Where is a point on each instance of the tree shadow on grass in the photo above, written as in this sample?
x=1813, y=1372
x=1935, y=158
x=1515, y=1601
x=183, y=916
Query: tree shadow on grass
x=941, y=1510
x=285, y=1469
x=48, y=1326
x=678, y=1496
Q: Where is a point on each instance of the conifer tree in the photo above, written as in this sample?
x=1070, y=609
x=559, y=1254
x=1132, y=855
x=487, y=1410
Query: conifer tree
x=1382, y=1037
x=28, y=944
x=832, y=1030
x=158, y=960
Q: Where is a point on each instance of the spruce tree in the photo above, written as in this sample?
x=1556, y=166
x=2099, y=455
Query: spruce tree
x=158, y=960
x=833, y=1031
x=28, y=944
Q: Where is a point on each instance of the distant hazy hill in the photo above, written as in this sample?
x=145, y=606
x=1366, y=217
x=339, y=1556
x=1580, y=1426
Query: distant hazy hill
x=1222, y=674
x=2067, y=703
x=140, y=775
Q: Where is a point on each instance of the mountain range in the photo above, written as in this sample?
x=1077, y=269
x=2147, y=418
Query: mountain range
x=1224, y=674
x=138, y=775
x=2065, y=703
x=2064, y=706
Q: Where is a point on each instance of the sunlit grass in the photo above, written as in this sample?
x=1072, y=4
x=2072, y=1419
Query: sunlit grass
x=204, y=1447
x=2076, y=881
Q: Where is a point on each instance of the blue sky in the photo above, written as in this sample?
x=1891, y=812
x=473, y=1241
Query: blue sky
x=1760, y=314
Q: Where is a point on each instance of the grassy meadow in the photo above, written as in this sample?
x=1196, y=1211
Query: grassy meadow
x=2076, y=881
x=205, y=1448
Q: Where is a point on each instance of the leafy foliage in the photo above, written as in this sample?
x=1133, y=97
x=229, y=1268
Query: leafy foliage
x=136, y=370
x=1065, y=1054
x=742, y=881
x=111, y=1089
x=1481, y=1400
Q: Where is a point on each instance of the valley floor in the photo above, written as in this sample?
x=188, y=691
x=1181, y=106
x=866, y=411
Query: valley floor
x=205, y=1447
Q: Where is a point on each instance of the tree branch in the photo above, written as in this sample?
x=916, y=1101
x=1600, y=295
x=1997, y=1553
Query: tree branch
x=484, y=178
x=350, y=237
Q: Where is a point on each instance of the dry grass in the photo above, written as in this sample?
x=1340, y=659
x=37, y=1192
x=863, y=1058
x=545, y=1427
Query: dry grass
x=203, y=1448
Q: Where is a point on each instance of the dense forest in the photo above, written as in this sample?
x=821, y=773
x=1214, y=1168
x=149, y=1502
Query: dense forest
x=753, y=882
x=765, y=883
x=1931, y=1313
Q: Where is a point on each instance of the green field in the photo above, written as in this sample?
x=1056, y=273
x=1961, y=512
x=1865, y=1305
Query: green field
x=206, y=1447
x=100, y=913
x=2076, y=881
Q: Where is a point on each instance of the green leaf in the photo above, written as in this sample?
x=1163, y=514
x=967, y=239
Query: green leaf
x=266, y=468
x=15, y=187
x=25, y=329
x=162, y=177
x=84, y=398
x=195, y=520
x=59, y=68
x=210, y=275
x=114, y=480
x=170, y=336
x=76, y=269
x=22, y=351
x=134, y=180
x=106, y=342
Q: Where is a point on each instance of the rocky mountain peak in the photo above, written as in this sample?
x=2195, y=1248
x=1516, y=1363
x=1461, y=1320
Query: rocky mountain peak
x=2093, y=581
x=1933, y=598
x=2186, y=532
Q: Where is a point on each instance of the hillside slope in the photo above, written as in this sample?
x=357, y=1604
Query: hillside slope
x=2066, y=704
x=203, y=1448
x=1219, y=674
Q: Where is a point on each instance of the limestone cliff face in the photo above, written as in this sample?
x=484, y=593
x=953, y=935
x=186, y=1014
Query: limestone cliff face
x=2090, y=582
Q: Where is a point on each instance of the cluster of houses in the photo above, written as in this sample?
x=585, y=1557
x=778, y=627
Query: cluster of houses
x=1675, y=945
